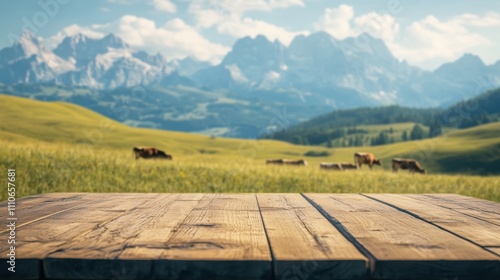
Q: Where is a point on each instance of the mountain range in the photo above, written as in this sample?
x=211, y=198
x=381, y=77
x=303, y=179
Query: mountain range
x=105, y=63
x=246, y=92
x=319, y=68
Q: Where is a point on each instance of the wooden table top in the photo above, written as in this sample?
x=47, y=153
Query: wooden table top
x=252, y=236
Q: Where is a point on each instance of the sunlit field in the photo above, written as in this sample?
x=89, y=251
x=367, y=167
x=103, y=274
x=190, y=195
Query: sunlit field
x=45, y=167
x=71, y=149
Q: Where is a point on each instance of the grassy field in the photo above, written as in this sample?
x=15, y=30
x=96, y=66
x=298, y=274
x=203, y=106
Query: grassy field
x=45, y=167
x=62, y=147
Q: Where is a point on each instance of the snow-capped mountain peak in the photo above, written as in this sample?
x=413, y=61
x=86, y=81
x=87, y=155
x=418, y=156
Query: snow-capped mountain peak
x=29, y=44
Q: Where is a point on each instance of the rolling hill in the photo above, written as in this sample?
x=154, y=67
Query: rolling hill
x=182, y=108
x=472, y=151
x=60, y=122
x=342, y=126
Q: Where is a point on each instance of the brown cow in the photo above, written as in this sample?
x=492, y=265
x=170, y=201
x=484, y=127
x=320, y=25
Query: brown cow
x=274, y=161
x=410, y=164
x=295, y=162
x=366, y=158
x=150, y=153
x=330, y=166
x=348, y=166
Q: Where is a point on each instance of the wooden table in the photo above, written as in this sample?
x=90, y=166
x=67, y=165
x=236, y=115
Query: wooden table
x=253, y=236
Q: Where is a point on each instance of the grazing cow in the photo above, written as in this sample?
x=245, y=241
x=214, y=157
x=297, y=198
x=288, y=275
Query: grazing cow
x=410, y=164
x=274, y=161
x=366, y=158
x=330, y=166
x=295, y=162
x=348, y=166
x=150, y=153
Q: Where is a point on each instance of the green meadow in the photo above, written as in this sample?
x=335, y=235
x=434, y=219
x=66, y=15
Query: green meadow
x=60, y=147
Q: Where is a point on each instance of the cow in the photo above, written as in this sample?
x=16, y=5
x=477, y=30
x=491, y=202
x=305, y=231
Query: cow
x=274, y=161
x=348, y=166
x=150, y=152
x=330, y=166
x=410, y=164
x=295, y=162
x=366, y=158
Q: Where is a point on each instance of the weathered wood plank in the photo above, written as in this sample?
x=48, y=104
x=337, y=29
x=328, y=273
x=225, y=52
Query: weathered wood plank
x=472, y=202
x=64, y=226
x=41, y=227
x=37, y=240
x=486, y=210
x=304, y=244
x=222, y=238
x=151, y=241
x=122, y=244
x=471, y=228
x=404, y=247
x=38, y=207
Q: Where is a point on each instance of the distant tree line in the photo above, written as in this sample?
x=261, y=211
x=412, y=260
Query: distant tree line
x=340, y=127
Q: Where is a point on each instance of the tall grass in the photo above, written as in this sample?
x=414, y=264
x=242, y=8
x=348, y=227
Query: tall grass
x=44, y=167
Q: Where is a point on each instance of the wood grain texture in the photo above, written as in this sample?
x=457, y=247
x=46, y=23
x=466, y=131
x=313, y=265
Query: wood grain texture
x=304, y=244
x=402, y=246
x=223, y=237
x=43, y=237
x=39, y=207
x=99, y=250
x=249, y=236
x=476, y=230
x=28, y=210
x=486, y=210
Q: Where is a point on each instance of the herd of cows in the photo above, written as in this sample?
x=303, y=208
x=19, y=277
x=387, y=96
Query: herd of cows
x=359, y=159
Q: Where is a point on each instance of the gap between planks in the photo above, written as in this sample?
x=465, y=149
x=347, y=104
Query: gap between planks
x=402, y=246
x=469, y=228
x=265, y=212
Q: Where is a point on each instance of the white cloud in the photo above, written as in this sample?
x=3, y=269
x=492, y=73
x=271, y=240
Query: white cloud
x=72, y=30
x=241, y=6
x=207, y=18
x=164, y=5
x=380, y=26
x=428, y=42
x=337, y=21
x=431, y=41
x=227, y=17
x=175, y=39
x=238, y=28
x=341, y=23
x=490, y=19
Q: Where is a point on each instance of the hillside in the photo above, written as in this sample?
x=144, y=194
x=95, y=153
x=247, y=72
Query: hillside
x=473, y=151
x=343, y=127
x=475, y=111
x=28, y=120
x=182, y=108
x=365, y=124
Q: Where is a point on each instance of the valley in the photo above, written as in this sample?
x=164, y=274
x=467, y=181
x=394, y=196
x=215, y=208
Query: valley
x=57, y=146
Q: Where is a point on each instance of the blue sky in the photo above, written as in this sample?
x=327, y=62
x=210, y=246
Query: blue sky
x=424, y=33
